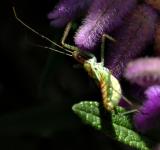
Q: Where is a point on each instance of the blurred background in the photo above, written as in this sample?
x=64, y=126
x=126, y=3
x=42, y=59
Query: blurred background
x=38, y=87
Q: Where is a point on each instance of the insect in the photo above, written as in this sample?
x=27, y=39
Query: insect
x=109, y=86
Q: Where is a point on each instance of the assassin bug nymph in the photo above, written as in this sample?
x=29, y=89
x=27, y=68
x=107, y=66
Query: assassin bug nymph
x=108, y=84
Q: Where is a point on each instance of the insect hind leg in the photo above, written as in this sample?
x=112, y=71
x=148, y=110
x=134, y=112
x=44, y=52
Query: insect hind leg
x=130, y=111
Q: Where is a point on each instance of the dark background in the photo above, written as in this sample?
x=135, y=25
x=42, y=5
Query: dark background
x=38, y=88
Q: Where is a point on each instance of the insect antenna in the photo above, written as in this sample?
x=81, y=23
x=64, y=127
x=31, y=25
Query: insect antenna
x=36, y=32
x=52, y=49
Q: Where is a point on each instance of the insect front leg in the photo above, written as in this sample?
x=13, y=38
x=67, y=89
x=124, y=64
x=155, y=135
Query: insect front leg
x=64, y=37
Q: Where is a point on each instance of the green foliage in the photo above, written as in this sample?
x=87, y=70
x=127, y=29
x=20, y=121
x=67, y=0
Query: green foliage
x=116, y=125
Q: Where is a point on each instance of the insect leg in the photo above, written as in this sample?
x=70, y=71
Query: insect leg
x=104, y=37
x=130, y=111
x=64, y=37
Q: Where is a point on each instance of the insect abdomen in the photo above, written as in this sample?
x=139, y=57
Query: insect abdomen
x=111, y=91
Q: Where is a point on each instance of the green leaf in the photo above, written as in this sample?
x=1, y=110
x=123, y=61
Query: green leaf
x=116, y=125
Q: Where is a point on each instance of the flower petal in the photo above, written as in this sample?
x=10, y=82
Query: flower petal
x=104, y=16
x=131, y=39
x=147, y=117
x=144, y=71
x=67, y=10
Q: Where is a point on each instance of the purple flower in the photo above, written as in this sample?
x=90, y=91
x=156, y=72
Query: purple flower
x=144, y=71
x=104, y=16
x=67, y=10
x=147, y=117
x=131, y=39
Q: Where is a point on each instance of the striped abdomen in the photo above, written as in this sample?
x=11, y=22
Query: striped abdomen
x=106, y=91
